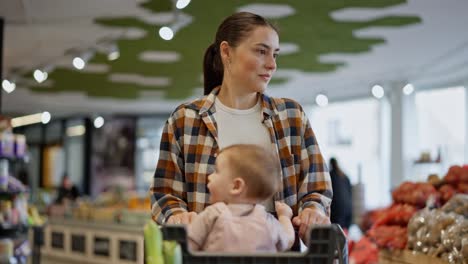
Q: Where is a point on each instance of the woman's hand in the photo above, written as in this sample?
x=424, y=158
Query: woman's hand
x=184, y=218
x=308, y=217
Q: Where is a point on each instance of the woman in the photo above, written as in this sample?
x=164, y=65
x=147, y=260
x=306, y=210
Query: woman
x=341, y=206
x=235, y=110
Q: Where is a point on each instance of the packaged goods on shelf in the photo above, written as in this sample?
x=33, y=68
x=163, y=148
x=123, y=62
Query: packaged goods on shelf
x=6, y=250
x=7, y=144
x=20, y=146
x=14, y=219
x=4, y=174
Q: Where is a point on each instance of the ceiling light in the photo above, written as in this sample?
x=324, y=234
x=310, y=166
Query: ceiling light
x=40, y=76
x=378, y=91
x=408, y=89
x=113, y=52
x=41, y=73
x=166, y=33
x=76, y=131
x=113, y=55
x=26, y=120
x=79, y=63
x=8, y=86
x=98, y=122
x=45, y=117
x=321, y=100
x=181, y=4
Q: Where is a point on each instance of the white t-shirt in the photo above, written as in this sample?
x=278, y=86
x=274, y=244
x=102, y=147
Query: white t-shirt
x=237, y=126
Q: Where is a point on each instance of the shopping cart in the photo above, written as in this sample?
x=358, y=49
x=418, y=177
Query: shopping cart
x=328, y=244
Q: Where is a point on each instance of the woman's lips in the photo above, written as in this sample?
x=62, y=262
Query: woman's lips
x=265, y=77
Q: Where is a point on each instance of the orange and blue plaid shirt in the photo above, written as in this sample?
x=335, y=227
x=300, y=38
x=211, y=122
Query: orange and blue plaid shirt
x=189, y=148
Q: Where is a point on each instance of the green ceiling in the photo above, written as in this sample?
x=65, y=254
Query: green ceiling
x=311, y=28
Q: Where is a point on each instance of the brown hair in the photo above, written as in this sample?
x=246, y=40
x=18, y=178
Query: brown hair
x=335, y=167
x=233, y=30
x=258, y=167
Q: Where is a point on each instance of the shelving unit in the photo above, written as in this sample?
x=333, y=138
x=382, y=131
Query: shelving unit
x=13, y=198
x=74, y=241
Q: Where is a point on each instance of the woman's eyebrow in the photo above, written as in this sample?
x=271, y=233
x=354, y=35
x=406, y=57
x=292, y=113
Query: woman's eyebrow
x=266, y=46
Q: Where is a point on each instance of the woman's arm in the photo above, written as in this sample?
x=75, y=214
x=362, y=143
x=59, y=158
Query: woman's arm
x=315, y=187
x=168, y=190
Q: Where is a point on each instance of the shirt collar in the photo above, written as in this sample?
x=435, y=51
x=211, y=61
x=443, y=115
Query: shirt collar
x=268, y=108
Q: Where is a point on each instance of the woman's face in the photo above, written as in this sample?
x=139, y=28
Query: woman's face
x=252, y=63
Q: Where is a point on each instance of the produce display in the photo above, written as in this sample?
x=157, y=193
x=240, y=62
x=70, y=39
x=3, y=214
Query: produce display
x=458, y=205
x=456, y=181
x=392, y=237
x=398, y=214
x=428, y=217
x=441, y=232
x=364, y=251
x=416, y=194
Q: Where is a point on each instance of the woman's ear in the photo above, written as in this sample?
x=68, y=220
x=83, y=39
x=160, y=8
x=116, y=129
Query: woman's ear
x=238, y=186
x=225, y=51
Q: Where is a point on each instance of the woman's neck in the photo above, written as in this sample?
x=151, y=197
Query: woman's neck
x=236, y=97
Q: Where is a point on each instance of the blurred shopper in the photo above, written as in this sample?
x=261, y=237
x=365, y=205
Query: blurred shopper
x=235, y=110
x=341, y=207
x=67, y=190
x=245, y=176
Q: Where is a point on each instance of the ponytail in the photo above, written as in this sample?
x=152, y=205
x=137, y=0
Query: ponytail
x=212, y=69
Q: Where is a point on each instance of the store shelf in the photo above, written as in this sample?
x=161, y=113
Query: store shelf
x=73, y=241
x=419, y=162
x=14, y=159
x=12, y=230
x=11, y=193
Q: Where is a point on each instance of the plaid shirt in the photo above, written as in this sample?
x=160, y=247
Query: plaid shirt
x=189, y=148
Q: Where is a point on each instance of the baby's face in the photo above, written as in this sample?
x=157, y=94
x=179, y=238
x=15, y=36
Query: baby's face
x=220, y=182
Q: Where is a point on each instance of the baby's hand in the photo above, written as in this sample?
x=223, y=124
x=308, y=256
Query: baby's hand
x=283, y=209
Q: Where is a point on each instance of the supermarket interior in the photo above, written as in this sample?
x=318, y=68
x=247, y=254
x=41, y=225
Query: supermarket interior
x=96, y=153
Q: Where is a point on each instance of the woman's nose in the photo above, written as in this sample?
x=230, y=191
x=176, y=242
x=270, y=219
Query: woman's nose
x=271, y=63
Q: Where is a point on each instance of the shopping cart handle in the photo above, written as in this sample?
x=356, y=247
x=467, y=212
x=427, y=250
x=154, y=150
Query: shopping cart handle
x=176, y=233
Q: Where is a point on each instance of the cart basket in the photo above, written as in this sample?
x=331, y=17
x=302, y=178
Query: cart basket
x=327, y=244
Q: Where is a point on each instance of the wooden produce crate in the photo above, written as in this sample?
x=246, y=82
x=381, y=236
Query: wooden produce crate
x=407, y=257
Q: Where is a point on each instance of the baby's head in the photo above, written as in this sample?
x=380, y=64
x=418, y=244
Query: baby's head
x=244, y=174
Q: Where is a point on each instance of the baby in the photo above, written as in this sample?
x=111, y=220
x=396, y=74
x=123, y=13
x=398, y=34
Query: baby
x=245, y=176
